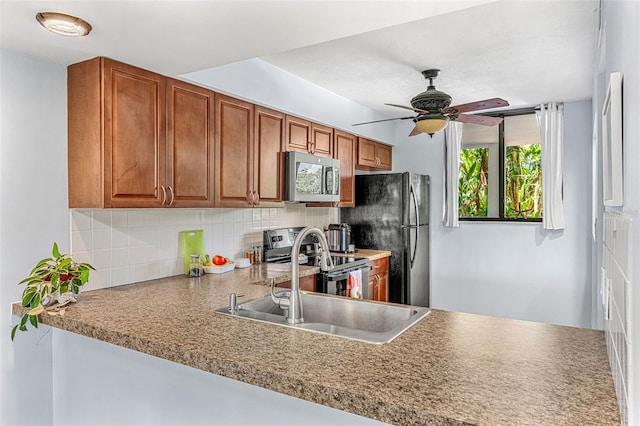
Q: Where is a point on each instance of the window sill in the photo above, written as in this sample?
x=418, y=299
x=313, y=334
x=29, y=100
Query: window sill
x=499, y=220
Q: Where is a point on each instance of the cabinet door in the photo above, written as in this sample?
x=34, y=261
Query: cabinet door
x=373, y=287
x=307, y=283
x=134, y=136
x=268, y=182
x=366, y=153
x=380, y=280
x=345, y=151
x=233, y=152
x=190, y=165
x=383, y=152
x=321, y=140
x=297, y=134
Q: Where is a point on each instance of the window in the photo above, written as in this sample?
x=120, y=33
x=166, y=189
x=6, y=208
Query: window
x=500, y=170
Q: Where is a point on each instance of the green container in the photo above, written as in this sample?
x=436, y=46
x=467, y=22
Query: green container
x=192, y=242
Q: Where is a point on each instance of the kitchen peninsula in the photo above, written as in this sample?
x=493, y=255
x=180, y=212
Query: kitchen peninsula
x=450, y=368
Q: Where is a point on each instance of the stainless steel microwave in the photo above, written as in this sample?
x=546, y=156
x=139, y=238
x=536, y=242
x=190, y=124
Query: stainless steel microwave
x=311, y=178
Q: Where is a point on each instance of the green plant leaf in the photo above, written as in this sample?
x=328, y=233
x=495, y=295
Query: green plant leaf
x=24, y=319
x=28, y=297
x=43, y=262
x=64, y=288
x=75, y=289
x=55, y=252
x=84, y=275
x=33, y=320
x=23, y=328
x=13, y=332
x=36, y=300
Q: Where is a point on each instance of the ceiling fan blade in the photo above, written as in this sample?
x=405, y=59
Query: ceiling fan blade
x=386, y=119
x=477, y=105
x=482, y=120
x=415, y=132
x=420, y=111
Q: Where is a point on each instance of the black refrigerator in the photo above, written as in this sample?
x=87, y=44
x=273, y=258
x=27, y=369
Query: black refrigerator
x=392, y=213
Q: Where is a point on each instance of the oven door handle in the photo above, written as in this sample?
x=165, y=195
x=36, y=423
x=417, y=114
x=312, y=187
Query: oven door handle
x=345, y=275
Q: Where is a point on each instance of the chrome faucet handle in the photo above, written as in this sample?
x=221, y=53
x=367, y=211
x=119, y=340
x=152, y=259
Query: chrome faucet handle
x=326, y=263
x=233, y=302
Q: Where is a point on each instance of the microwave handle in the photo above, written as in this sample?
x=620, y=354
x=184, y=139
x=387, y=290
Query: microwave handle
x=327, y=189
x=335, y=180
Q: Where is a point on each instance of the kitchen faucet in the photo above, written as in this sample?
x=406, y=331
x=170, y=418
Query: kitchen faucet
x=294, y=303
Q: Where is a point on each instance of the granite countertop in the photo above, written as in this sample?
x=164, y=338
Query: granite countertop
x=369, y=254
x=450, y=368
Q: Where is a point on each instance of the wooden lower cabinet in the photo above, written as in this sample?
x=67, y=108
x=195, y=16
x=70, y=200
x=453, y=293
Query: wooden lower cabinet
x=379, y=280
x=307, y=283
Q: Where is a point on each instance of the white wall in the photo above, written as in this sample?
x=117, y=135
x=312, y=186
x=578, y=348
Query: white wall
x=34, y=214
x=619, y=51
x=265, y=84
x=513, y=270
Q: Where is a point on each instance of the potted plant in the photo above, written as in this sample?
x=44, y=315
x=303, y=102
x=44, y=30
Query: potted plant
x=52, y=284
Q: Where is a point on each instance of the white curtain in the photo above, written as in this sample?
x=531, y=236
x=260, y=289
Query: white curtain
x=452, y=143
x=550, y=118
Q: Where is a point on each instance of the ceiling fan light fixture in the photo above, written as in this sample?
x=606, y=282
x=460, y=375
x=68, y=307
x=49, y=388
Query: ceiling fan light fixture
x=63, y=24
x=432, y=123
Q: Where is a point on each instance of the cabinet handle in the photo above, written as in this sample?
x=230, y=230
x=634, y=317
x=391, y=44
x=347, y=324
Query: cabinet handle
x=173, y=197
x=256, y=198
x=164, y=195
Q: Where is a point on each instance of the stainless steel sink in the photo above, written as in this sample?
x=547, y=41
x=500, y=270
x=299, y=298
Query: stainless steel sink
x=338, y=316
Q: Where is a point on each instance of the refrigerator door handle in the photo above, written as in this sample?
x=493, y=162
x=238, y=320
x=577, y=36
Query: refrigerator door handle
x=417, y=226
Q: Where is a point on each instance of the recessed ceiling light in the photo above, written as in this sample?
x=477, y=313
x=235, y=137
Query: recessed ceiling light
x=60, y=23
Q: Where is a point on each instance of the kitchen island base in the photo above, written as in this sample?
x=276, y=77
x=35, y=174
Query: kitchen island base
x=114, y=385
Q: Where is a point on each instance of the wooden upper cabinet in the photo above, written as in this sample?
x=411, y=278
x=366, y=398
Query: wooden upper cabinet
x=373, y=155
x=304, y=136
x=345, y=151
x=250, y=168
x=268, y=176
x=116, y=122
x=137, y=138
x=297, y=134
x=321, y=140
x=384, y=156
x=190, y=148
x=233, y=152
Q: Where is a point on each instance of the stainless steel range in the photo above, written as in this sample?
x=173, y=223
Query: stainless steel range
x=277, y=249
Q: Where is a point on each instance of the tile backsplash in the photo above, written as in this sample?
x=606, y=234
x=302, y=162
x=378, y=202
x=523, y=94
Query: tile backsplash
x=131, y=245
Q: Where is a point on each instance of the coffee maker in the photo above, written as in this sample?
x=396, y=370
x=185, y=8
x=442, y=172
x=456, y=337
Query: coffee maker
x=339, y=237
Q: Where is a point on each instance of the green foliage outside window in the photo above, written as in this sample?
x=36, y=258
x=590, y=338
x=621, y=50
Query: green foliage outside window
x=473, y=186
x=523, y=185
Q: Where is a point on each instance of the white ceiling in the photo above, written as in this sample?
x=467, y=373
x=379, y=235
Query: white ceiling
x=369, y=51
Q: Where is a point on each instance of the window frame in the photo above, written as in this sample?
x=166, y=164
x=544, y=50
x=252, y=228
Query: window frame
x=502, y=171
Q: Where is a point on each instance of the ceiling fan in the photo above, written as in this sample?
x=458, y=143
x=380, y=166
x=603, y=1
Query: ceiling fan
x=434, y=111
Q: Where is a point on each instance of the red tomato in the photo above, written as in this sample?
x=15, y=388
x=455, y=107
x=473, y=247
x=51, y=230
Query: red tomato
x=218, y=260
